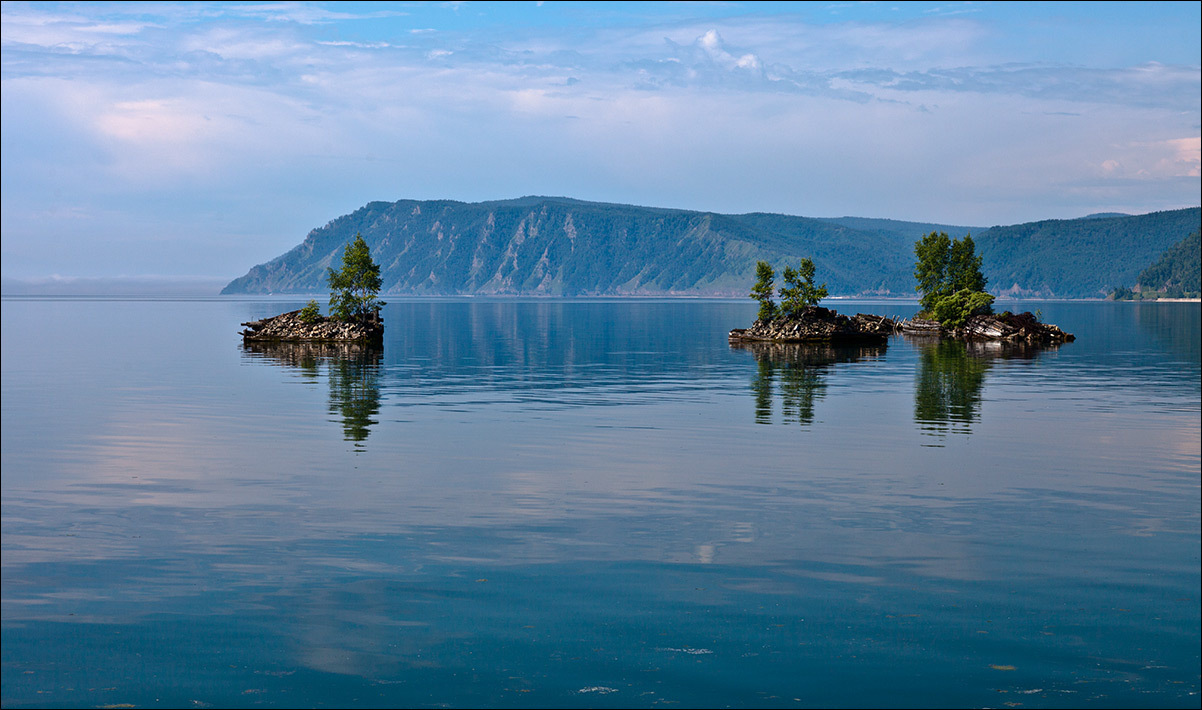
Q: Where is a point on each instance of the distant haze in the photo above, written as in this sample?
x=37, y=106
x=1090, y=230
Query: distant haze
x=115, y=286
x=145, y=140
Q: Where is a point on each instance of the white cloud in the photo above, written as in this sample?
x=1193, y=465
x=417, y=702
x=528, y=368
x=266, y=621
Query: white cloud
x=303, y=13
x=357, y=45
x=1172, y=158
x=907, y=120
x=246, y=43
x=70, y=37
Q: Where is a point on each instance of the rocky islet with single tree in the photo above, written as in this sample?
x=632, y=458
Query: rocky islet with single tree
x=354, y=307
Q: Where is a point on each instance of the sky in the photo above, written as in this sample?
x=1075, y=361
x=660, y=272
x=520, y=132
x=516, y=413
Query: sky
x=195, y=140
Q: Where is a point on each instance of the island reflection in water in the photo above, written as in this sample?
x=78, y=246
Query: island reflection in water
x=951, y=377
x=548, y=479
x=798, y=372
x=353, y=371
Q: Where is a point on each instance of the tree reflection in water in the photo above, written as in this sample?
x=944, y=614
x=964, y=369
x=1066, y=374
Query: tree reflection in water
x=354, y=375
x=797, y=371
x=947, y=395
x=951, y=377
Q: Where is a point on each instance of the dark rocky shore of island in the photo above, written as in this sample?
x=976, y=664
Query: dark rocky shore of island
x=1004, y=327
x=818, y=325
x=288, y=327
x=823, y=325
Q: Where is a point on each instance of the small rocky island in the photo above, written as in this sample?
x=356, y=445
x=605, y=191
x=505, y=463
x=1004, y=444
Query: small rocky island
x=815, y=324
x=822, y=325
x=799, y=319
x=354, y=309
x=1005, y=327
x=292, y=327
x=954, y=305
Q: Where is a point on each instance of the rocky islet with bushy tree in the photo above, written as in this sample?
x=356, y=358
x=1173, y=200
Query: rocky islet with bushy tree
x=950, y=280
x=354, y=308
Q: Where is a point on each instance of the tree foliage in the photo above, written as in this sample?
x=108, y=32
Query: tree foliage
x=354, y=287
x=950, y=279
x=763, y=290
x=964, y=266
x=799, y=291
x=931, y=270
x=954, y=309
x=311, y=313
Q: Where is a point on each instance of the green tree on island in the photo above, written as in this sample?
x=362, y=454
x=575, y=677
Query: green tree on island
x=763, y=290
x=353, y=288
x=311, y=313
x=950, y=279
x=799, y=291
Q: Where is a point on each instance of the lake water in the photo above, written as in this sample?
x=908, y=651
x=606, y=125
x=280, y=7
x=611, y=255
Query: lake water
x=595, y=503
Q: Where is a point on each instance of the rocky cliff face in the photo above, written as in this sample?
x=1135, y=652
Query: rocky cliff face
x=556, y=246
x=563, y=247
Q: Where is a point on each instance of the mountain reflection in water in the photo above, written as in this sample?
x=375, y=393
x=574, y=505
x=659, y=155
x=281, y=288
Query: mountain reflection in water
x=797, y=371
x=353, y=371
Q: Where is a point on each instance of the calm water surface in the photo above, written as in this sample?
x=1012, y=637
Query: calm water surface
x=539, y=503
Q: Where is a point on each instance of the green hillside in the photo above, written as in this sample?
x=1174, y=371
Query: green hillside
x=1177, y=274
x=561, y=246
x=1078, y=258
x=904, y=232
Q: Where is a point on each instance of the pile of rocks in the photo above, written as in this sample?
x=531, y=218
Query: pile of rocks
x=1007, y=327
x=817, y=324
x=288, y=327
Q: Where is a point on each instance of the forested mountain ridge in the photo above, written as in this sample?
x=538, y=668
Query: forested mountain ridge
x=1176, y=274
x=1079, y=258
x=905, y=232
x=559, y=246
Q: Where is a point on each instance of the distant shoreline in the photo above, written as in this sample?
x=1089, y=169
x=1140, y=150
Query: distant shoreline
x=514, y=297
x=1158, y=300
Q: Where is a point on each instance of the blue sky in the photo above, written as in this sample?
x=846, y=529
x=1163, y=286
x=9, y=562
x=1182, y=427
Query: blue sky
x=196, y=139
